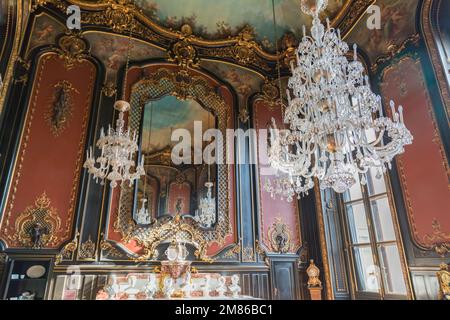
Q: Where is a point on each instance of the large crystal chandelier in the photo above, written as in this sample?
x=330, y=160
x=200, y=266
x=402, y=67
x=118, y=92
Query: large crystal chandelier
x=336, y=128
x=118, y=147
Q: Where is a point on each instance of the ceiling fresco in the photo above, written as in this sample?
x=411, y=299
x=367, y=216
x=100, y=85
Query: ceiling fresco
x=244, y=81
x=221, y=19
x=398, y=19
x=112, y=51
x=45, y=31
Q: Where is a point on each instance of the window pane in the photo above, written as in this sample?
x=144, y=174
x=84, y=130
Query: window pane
x=382, y=219
x=354, y=193
x=394, y=281
x=367, y=273
x=375, y=182
x=357, y=222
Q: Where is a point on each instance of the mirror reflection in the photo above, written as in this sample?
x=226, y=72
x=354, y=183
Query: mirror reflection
x=168, y=189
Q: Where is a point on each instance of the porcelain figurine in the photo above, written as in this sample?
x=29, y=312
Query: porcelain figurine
x=187, y=286
x=221, y=287
x=151, y=287
x=168, y=287
x=234, y=287
x=206, y=288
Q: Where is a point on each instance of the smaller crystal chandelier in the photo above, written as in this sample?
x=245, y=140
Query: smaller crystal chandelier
x=118, y=147
x=336, y=127
x=206, y=216
x=142, y=216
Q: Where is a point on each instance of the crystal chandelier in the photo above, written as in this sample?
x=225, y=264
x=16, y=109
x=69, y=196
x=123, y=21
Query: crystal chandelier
x=206, y=216
x=336, y=128
x=118, y=147
x=142, y=216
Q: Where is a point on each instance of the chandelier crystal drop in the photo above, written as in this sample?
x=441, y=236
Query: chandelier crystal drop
x=336, y=129
x=118, y=148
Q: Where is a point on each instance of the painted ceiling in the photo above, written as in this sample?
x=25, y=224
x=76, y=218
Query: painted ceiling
x=220, y=19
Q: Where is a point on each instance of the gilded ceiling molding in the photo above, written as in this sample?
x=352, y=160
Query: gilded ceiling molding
x=355, y=10
x=395, y=50
x=121, y=16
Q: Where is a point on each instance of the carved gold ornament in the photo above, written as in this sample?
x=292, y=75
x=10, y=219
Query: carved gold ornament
x=182, y=52
x=244, y=115
x=61, y=107
x=68, y=250
x=37, y=226
x=439, y=239
x=233, y=252
x=270, y=94
x=87, y=249
x=313, y=273
x=279, y=236
x=175, y=229
x=109, y=89
x=443, y=276
x=262, y=253
x=119, y=14
x=109, y=250
x=72, y=49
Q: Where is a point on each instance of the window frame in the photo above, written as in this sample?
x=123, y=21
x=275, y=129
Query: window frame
x=366, y=199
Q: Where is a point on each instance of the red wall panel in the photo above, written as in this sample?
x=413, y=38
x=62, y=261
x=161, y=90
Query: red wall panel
x=423, y=168
x=48, y=163
x=272, y=209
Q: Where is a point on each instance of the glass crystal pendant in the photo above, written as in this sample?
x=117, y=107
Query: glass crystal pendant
x=335, y=127
x=118, y=149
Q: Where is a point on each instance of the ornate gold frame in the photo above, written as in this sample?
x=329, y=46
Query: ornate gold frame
x=121, y=17
x=161, y=83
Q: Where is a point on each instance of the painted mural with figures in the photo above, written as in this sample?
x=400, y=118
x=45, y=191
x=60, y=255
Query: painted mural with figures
x=398, y=21
x=218, y=20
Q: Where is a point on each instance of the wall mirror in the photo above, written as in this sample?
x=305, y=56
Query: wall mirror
x=168, y=189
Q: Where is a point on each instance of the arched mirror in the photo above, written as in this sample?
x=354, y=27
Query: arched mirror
x=170, y=189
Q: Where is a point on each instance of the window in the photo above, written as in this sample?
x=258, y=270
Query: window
x=373, y=246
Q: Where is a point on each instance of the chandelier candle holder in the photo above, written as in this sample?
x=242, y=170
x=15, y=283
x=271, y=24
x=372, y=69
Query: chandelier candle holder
x=118, y=148
x=335, y=127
